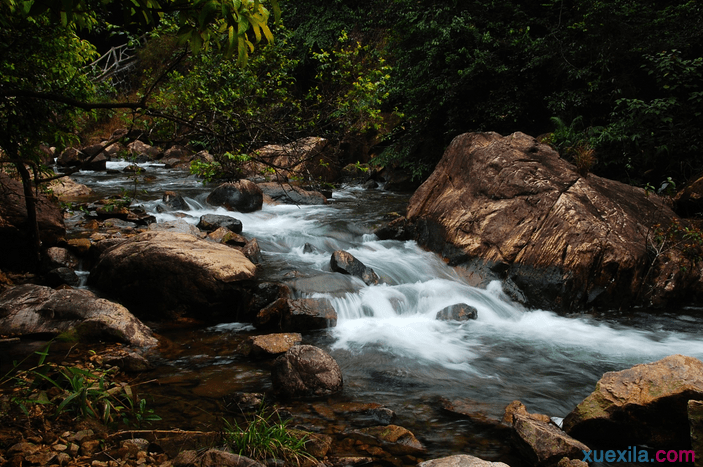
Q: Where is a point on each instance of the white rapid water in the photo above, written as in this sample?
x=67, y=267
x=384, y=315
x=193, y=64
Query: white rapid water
x=387, y=339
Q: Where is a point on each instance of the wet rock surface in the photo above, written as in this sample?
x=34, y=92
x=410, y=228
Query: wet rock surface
x=346, y=263
x=395, y=439
x=458, y=312
x=212, y=222
x=304, y=314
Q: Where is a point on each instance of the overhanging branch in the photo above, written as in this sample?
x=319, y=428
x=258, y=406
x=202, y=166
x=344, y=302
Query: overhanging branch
x=73, y=102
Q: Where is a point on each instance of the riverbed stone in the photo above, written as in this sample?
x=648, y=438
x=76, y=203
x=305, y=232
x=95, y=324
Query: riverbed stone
x=270, y=345
x=306, y=314
x=326, y=283
x=212, y=222
x=264, y=293
x=297, y=315
x=289, y=194
x=516, y=408
x=62, y=275
x=75, y=157
x=34, y=309
x=57, y=257
x=174, y=201
x=344, y=262
x=460, y=460
x=167, y=274
x=392, y=438
x=242, y=196
x=252, y=251
x=509, y=208
x=66, y=189
x=643, y=405
x=543, y=443
x=140, y=148
x=227, y=237
x=176, y=225
x=306, y=371
x=457, y=312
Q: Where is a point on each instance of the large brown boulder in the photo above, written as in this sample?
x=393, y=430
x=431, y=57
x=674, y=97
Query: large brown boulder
x=17, y=251
x=305, y=371
x=646, y=404
x=34, y=309
x=510, y=208
x=157, y=273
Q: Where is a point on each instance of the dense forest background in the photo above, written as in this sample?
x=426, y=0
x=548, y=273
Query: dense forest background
x=618, y=81
x=616, y=86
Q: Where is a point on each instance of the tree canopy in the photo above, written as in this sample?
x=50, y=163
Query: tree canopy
x=45, y=80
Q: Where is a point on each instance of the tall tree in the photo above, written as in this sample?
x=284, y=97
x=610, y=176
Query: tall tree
x=44, y=80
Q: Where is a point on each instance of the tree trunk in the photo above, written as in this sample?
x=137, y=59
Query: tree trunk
x=31, y=203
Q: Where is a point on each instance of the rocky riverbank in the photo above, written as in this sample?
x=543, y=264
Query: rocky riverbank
x=161, y=275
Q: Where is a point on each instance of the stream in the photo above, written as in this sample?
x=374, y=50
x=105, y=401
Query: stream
x=390, y=347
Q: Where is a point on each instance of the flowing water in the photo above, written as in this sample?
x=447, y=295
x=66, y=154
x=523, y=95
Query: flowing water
x=387, y=341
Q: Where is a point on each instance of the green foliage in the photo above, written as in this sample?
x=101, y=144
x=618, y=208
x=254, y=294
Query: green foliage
x=663, y=131
x=352, y=79
x=226, y=25
x=574, y=142
x=264, y=438
x=87, y=393
x=37, y=57
x=631, y=70
x=232, y=111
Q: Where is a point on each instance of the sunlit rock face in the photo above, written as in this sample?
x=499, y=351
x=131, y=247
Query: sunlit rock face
x=510, y=208
x=166, y=274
